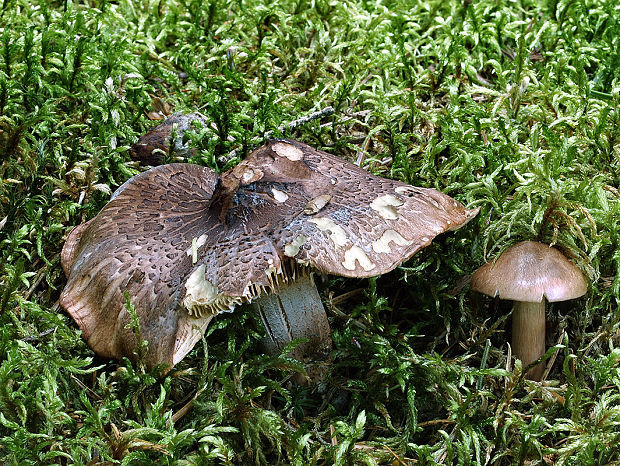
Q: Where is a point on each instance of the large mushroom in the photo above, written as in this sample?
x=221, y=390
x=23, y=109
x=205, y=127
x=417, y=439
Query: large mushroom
x=527, y=273
x=187, y=245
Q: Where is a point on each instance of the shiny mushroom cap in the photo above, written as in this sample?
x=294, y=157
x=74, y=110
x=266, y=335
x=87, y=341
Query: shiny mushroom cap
x=187, y=244
x=530, y=271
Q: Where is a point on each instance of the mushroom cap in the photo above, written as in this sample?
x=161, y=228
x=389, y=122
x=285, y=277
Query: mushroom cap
x=330, y=214
x=187, y=245
x=151, y=147
x=530, y=271
x=138, y=243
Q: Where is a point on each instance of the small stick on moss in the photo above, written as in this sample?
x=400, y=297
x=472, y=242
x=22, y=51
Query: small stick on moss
x=361, y=154
x=436, y=421
x=553, y=358
x=290, y=126
x=40, y=276
x=83, y=386
x=345, y=296
x=327, y=111
x=185, y=408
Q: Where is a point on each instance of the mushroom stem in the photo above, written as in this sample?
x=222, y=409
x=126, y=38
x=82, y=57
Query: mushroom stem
x=528, y=335
x=295, y=311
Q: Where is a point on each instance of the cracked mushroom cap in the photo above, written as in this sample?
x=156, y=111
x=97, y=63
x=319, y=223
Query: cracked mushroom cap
x=530, y=271
x=187, y=245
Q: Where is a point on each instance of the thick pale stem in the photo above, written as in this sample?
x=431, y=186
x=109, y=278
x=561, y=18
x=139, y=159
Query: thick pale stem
x=295, y=311
x=528, y=335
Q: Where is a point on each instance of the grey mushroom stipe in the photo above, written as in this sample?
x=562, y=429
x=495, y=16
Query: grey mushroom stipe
x=295, y=311
x=187, y=245
x=527, y=273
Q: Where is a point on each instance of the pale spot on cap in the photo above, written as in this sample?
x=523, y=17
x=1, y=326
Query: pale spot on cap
x=316, y=204
x=353, y=254
x=197, y=243
x=289, y=151
x=278, y=195
x=247, y=175
x=387, y=205
x=404, y=189
x=337, y=233
x=292, y=249
x=383, y=244
x=201, y=294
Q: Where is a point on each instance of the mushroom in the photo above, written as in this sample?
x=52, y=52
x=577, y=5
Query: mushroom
x=153, y=147
x=187, y=245
x=527, y=273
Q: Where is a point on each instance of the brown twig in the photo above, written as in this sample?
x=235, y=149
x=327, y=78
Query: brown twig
x=345, y=296
x=186, y=407
x=395, y=455
x=553, y=358
x=436, y=421
x=36, y=283
x=85, y=387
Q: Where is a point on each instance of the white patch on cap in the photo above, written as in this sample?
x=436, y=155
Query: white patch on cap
x=337, y=233
x=292, y=249
x=355, y=253
x=289, y=151
x=201, y=293
x=404, y=189
x=197, y=243
x=278, y=195
x=247, y=176
x=316, y=204
x=386, y=206
x=383, y=243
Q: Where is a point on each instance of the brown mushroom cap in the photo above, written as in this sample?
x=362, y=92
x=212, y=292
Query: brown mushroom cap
x=187, y=245
x=153, y=146
x=530, y=271
x=138, y=243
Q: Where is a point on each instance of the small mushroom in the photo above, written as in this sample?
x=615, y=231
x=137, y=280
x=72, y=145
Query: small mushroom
x=187, y=245
x=153, y=147
x=527, y=273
